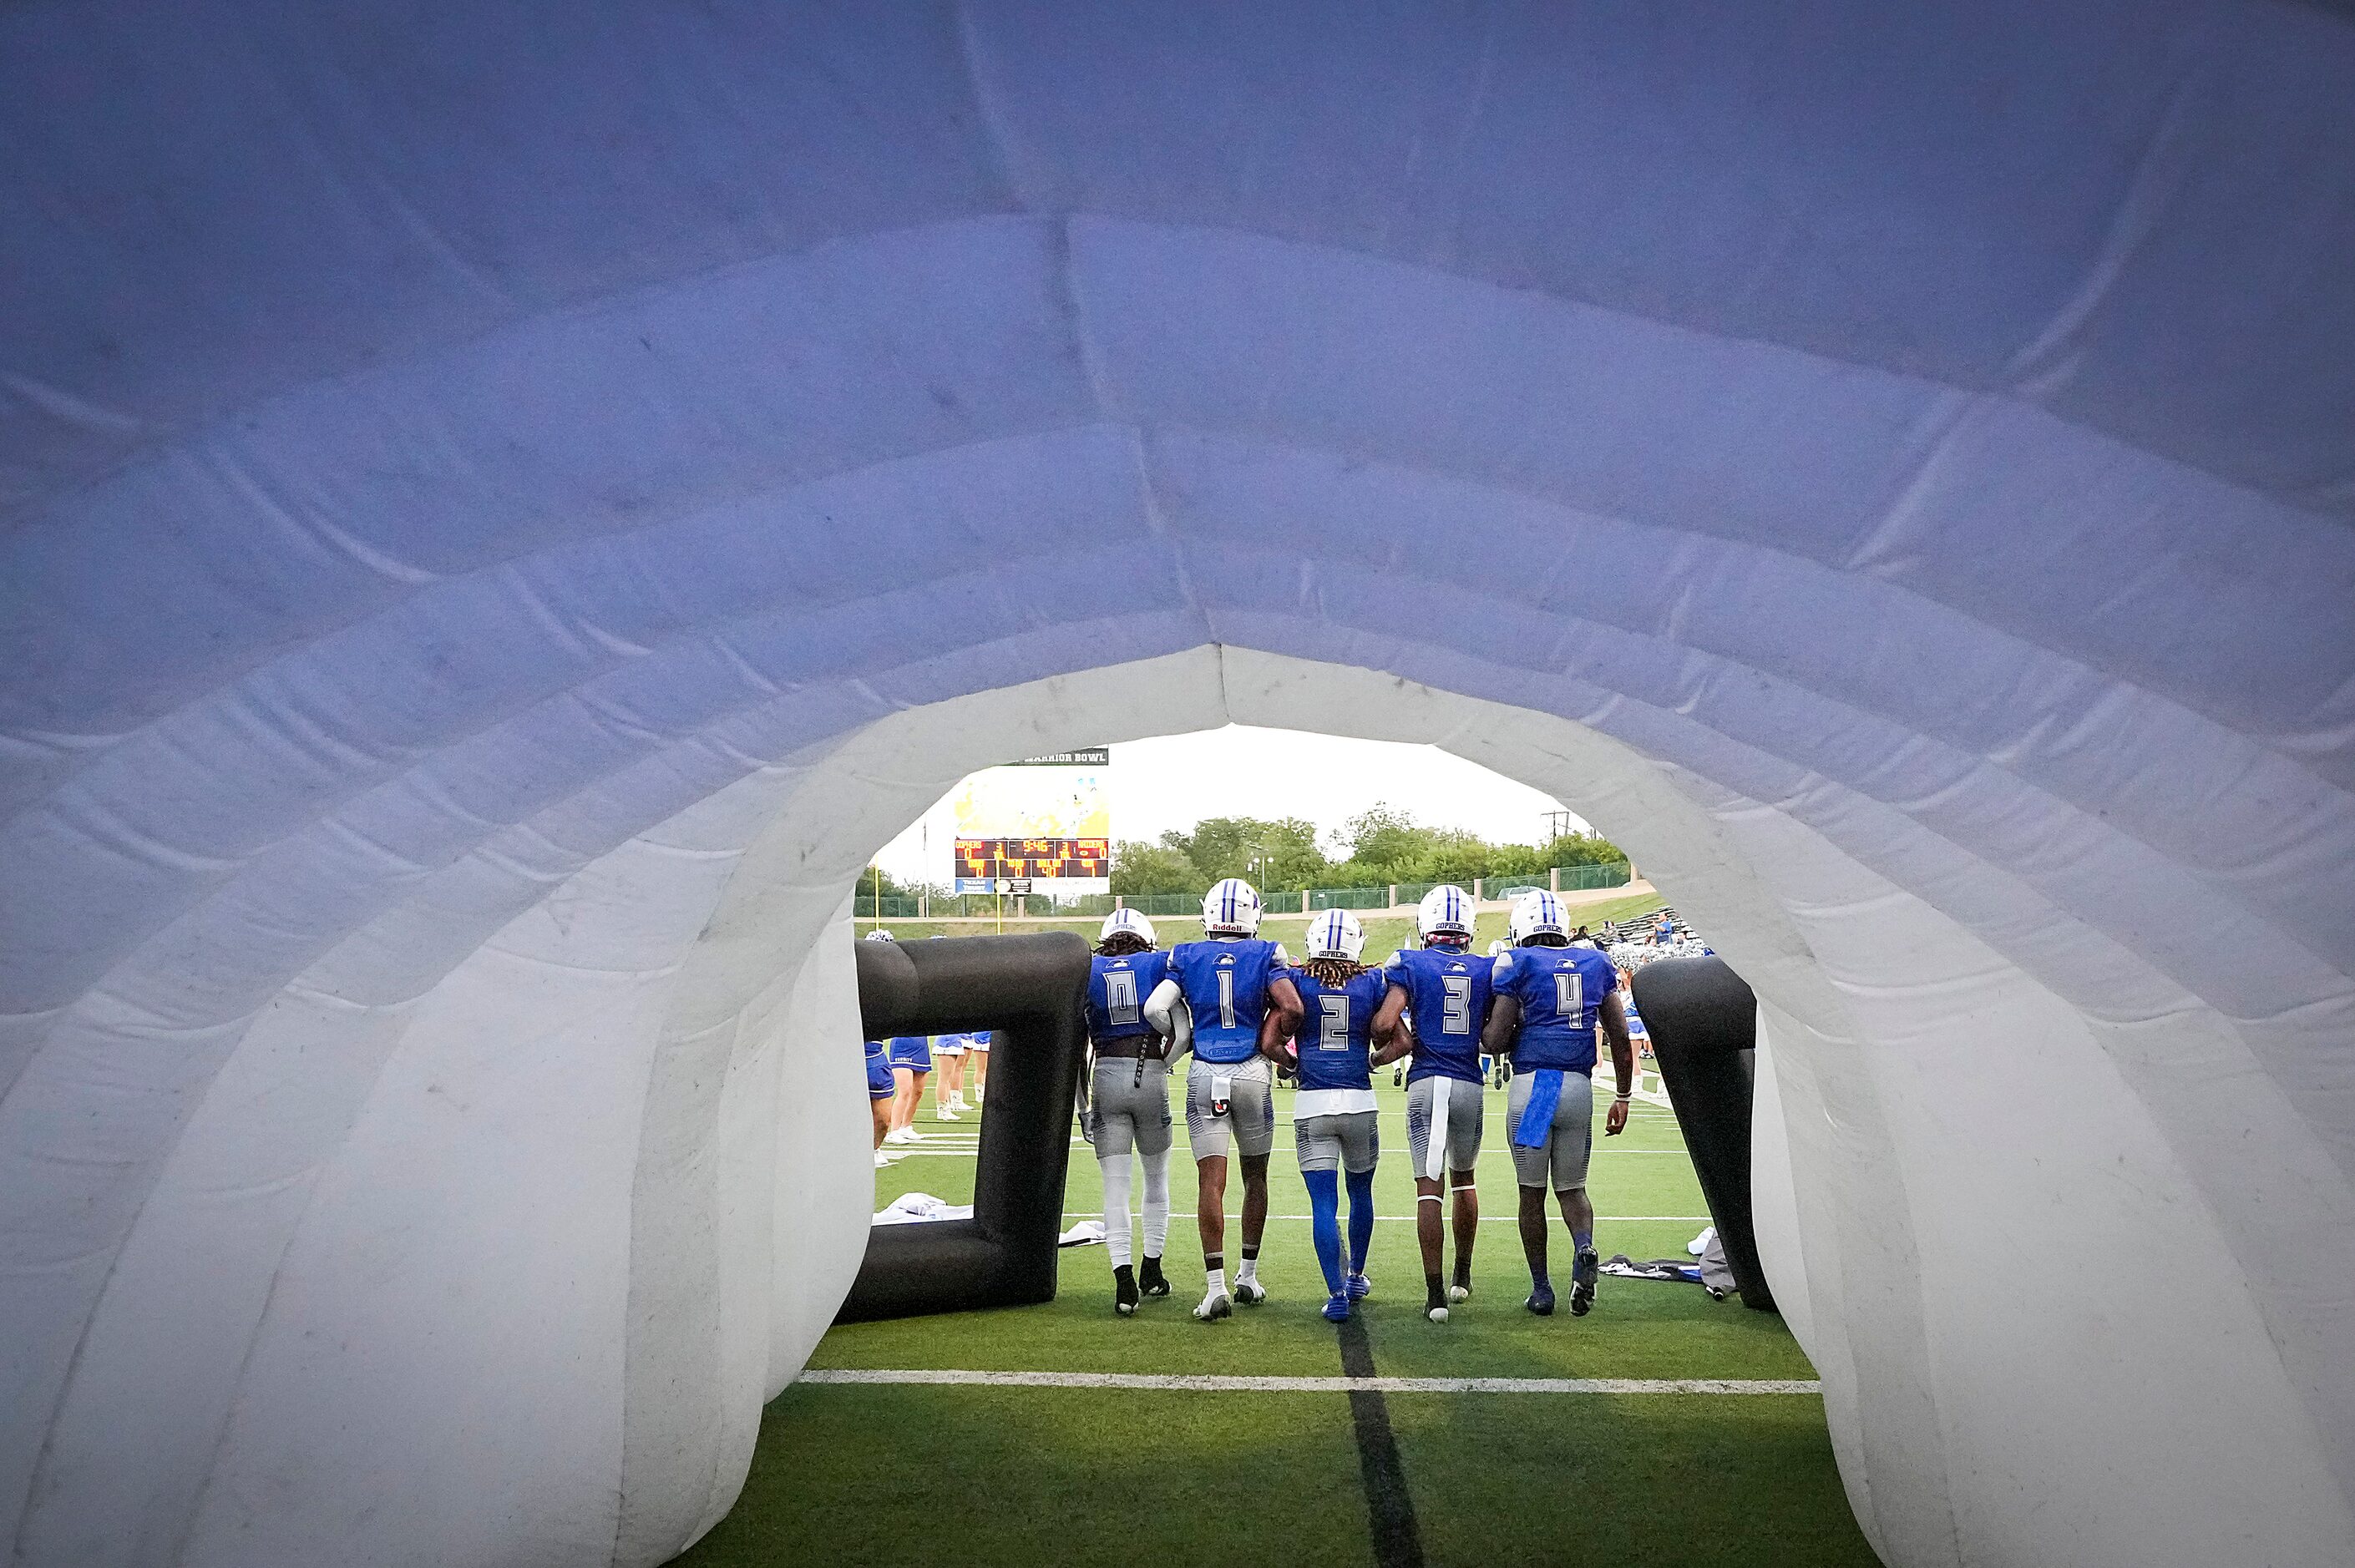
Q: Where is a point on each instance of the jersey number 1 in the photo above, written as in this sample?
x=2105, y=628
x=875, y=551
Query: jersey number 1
x=1226, y=999
x=1120, y=996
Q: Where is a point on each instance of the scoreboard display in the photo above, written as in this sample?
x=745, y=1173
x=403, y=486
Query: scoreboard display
x=993, y=861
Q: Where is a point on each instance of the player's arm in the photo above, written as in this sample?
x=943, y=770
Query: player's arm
x=1282, y=1007
x=1166, y=1010
x=1613, y=1020
x=1504, y=1023
x=1390, y=1042
x=1273, y=1039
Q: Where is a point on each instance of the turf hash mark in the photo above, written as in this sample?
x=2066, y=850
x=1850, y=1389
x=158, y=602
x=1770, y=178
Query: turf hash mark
x=1389, y=1507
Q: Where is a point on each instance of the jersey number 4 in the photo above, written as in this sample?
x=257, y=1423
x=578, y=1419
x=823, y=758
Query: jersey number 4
x=1568, y=993
x=1120, y=996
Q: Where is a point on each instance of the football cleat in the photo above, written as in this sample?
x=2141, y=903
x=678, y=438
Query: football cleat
x=1582, y=1274
x=1336, y=1308
x=1123, y=1290
x=1249, y=1292
x=1335, y=933
x=1540, y=1300
x=1536, y=913
x=1358, y=1287
x=1459, y=1291
x=1445, y=911
x=1231, y=909
x=1126, y=921
x=1214, y=1307
x=1150, y=1279
x=1435, y=1306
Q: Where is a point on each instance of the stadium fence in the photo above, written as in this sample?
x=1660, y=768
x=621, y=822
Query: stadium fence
x=1279, y=900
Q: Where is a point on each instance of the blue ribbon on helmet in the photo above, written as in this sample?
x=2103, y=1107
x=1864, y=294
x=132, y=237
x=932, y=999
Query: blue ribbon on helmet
x=1537, y=1117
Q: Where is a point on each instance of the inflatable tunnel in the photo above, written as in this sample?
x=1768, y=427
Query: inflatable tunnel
x=504, y=508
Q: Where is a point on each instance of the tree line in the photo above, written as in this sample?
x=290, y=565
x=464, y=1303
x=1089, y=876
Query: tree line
x=1372, y=849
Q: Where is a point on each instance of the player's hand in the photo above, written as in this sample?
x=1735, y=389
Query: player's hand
x=1614, y=1120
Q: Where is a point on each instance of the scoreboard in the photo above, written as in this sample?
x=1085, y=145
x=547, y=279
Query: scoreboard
x=1045, y=822
x=990, y=861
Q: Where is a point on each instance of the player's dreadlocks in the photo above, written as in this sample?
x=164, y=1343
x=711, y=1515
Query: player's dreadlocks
x=1333, y=971
x=1122, y=943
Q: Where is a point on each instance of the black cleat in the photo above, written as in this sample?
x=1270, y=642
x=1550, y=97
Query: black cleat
x=1123, y=1290
x=1582, y=1274
x=1434, y=1303
x=1149, y=1278
x=1540, y=1300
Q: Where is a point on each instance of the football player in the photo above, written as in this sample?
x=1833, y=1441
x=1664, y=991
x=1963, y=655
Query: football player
x=1128, y=1098
x=880, y=1091
x=1550, y=999
x=1444, y=987
x=1224, y=986
x=1333, y=1117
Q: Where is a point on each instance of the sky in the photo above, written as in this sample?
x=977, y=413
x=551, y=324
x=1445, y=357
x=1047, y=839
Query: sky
x=1176, y=781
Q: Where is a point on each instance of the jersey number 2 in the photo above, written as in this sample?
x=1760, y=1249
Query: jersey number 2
x=1333, y=1030
x=1120, y=996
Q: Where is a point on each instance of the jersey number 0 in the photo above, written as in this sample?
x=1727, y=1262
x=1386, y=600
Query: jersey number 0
x=1120, y=996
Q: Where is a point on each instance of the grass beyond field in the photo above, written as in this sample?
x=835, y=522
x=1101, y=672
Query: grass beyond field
x=904, y=1473
x=1385, y=932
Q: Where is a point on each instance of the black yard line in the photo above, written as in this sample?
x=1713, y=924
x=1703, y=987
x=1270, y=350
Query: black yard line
x=1389, y=1509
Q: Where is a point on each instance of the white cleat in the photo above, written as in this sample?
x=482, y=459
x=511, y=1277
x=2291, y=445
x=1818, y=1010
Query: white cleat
x=1214, y=1307
x=1249, y=1292
x=1439, y=1313
x=1459, y=1293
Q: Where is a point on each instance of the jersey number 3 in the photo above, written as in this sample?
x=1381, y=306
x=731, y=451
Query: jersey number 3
x=1455, y=1015
x=1120, y=996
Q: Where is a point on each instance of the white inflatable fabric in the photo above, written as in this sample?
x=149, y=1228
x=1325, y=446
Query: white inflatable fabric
x=504, y=508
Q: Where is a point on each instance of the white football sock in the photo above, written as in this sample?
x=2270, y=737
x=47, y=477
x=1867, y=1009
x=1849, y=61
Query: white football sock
x=1115, y=1188
x=1249, y=1269
x=1217, y=1283
x=1157, y=1202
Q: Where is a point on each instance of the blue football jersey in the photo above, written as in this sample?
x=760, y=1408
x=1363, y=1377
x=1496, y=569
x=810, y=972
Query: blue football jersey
x=1118, y=989
x=1225, y=984
x=1335, y=1044
x=1560, y=990
x=1447, y=993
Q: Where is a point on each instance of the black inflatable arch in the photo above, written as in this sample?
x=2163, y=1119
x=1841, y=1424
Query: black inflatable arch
x=1030, y=990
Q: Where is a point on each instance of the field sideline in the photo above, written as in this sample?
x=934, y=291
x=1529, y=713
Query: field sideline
x=1508, y=1439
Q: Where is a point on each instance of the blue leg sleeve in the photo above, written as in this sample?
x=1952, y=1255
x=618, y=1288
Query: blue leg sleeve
x=1325, y=1223
x=1361, y=1218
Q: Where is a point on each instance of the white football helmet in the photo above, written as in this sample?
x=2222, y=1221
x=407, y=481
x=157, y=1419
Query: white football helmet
x=1536, y=913
x=1445, y=911
x=1130, y=922
x=1231, y=909
x=1335, y=933
x=880, y=935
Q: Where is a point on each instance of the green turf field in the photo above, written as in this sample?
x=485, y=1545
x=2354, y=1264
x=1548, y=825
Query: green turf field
x=926, y=1473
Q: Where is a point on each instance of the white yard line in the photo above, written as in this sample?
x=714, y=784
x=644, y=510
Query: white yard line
x=1409, y=1219
x=1208, y=1382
